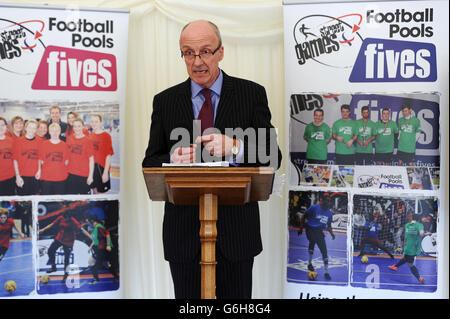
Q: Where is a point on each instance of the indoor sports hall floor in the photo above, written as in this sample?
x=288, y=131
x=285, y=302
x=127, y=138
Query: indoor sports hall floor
x=17, y=265
x=298, y=259
x=376, y=274
x=80, y=284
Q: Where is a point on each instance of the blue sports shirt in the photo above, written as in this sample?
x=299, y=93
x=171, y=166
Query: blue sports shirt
x=317, y=217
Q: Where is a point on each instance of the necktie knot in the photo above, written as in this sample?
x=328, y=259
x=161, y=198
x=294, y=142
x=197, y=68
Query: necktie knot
x=206, y=93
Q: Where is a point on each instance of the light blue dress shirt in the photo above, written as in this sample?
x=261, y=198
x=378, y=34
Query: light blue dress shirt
x=198, y=98
x=197, y=103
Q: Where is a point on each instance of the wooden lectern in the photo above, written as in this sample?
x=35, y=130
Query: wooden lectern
x=209, y=187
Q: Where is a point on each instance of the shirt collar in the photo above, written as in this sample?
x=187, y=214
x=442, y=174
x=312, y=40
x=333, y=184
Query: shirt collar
x=216, y=87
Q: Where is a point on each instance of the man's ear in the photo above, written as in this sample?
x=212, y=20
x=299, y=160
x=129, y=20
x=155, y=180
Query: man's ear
x=221, y=53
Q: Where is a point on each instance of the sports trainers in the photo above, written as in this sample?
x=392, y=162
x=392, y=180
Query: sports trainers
x=393, y=267
x=310, y=267
x=421, y=280
x=94, y=281
x=53, y=269
x=327, y=276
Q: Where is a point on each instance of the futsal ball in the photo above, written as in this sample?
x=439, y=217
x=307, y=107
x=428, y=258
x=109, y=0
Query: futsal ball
x=10, y=286
x=364, y=259
x=399, y=250
x=45, y=279
x=312, y=275
x=91, y=261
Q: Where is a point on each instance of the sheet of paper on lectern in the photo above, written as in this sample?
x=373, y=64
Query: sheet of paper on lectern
x=208, y=164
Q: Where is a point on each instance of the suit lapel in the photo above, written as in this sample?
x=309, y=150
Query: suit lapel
x=185, y=103
x=226, y=102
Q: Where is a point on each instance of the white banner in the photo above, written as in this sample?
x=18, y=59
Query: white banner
x=367, y=91
x=62, y=102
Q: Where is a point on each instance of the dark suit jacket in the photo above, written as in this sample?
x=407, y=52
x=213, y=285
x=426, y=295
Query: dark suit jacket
x=242, y=104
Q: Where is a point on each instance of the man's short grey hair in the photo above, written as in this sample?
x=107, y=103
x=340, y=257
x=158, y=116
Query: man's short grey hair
x=215, y=28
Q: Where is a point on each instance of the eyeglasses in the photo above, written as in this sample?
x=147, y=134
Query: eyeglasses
x=205, y=54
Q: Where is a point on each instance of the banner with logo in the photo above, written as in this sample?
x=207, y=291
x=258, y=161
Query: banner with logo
x=62, y=100
x=367, y=91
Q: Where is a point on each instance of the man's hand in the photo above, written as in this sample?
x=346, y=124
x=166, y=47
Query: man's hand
x=184, y=154
x=217, y=145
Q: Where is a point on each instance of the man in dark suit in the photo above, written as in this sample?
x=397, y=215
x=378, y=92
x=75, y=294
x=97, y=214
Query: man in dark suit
x=55, y=117
x=229, y=103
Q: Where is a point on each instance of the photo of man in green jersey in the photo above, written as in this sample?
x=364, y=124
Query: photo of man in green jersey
x=385, y=137
x=344, y=133
x=366, y=134
x=318, y=135
x=414, y=232
x=409, y=129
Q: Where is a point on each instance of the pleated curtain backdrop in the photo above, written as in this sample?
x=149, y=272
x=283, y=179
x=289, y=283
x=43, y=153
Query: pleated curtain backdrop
x=252, y=33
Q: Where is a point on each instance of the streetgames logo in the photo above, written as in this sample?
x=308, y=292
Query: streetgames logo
x=381, y=181
x=328, y=40
x=368, y=181
x=20, y=45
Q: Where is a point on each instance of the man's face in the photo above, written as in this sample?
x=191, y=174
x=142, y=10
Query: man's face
x=318, y=118
x=345, y=113
x=55, y=115
x=406, y=112
x=365, y=114
x=197, y=37
x=385, y=116
x=326, y=202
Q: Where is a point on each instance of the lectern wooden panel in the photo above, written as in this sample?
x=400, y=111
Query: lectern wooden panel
x=208, y=187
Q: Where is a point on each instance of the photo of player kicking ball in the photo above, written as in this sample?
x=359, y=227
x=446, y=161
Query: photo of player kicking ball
x=414, y=232
x=392, y=237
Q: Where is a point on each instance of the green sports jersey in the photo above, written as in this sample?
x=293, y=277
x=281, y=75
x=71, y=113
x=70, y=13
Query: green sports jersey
x=345, y=129
x=317, y=141
x=408, y=129
x=384, y=142
x=365, y=131
x=413, y=238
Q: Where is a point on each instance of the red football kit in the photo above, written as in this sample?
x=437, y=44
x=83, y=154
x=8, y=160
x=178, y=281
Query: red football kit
x=6, y=159
x=67, y=230
x=54, y=156
x=5, y=232
x=102, y=144
x=26, y=153
x=80, y=151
